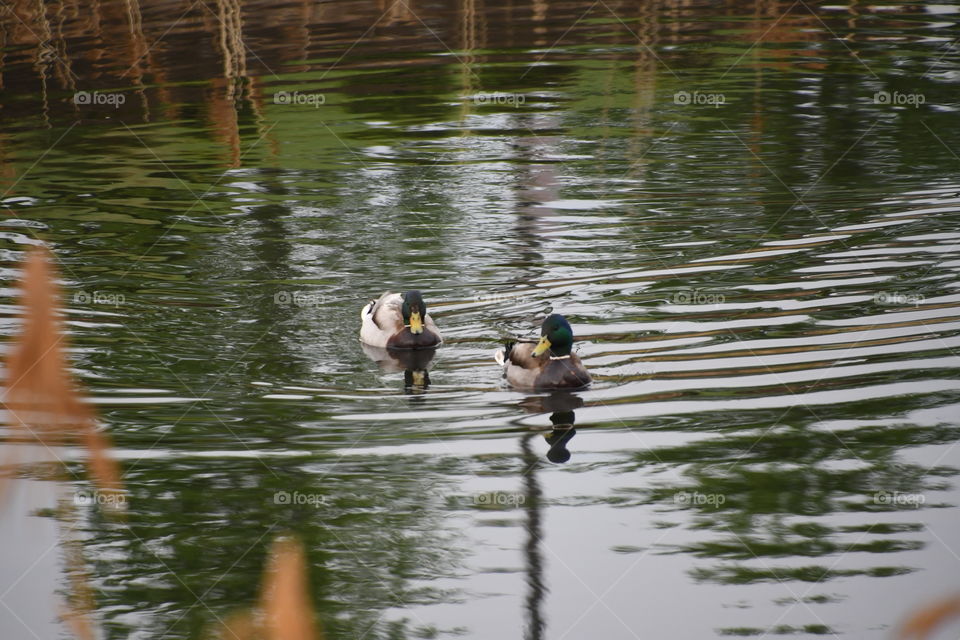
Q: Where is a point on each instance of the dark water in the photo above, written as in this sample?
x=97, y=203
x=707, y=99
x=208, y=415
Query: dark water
x=748, y=211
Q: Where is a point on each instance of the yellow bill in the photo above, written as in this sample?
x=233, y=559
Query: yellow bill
x=543, y=345
x=416, y=322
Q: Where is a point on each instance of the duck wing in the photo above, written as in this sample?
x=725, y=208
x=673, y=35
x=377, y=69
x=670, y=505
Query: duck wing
x=387, y=311
x=520, y=354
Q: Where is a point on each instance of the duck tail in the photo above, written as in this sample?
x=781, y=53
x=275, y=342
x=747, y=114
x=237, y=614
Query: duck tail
x=503, y=355
x=366, y=309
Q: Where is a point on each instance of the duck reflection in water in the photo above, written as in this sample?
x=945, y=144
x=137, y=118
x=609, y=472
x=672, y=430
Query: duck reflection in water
x=561, y=404
x=413, y=362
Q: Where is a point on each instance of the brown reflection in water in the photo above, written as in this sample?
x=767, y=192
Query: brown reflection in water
x=51, y=51
x=223, y=108
x=125, y=43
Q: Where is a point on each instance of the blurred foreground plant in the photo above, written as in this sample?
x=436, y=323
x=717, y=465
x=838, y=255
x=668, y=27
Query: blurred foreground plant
x=923, y=622
x=45, y=409
x=284, y=612
x=44, y=405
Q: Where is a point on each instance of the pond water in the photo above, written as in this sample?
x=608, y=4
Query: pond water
x=747, y=210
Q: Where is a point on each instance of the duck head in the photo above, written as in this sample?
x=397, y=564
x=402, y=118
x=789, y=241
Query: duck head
x=414, y=310
x=556, y=336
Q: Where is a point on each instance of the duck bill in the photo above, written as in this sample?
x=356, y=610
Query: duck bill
x=542, y=346
x=416, y=322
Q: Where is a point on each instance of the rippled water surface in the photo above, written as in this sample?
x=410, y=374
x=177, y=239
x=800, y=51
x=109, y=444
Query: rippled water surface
x=750, y=213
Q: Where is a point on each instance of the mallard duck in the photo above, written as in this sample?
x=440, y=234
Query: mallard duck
x=398, y=321
x=547, y=364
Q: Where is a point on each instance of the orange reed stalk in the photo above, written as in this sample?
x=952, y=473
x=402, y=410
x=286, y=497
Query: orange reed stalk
x=285, y=612
x=923, y=622
x=44, y=404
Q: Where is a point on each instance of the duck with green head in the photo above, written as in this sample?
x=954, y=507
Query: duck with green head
x=547, y=364
x=398, y=321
